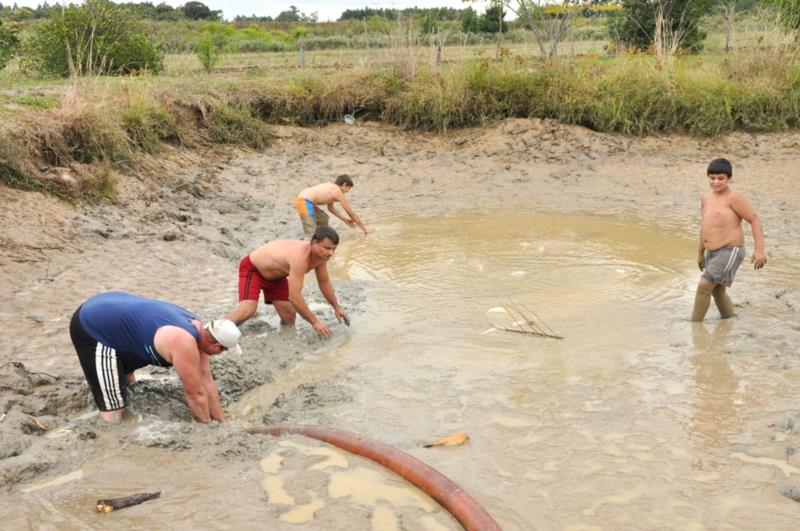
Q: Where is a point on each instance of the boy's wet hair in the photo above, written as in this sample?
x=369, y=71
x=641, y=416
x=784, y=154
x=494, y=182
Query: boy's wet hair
x=720, y=166
x=344, y=179
x=325, y=232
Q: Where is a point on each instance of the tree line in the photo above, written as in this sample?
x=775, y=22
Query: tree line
x=103, y=37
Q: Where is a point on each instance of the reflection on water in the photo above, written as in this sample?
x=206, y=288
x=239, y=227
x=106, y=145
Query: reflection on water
x=715, y=383
x=628, y=421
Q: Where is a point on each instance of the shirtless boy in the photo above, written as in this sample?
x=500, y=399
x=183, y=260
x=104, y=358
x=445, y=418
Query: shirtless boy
x=721, y=247
x=308, y=204
x=278, y=269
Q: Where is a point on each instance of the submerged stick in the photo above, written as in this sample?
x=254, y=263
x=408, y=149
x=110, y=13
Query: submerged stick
x=525, y=324
x=550, y=330
x=520, y=318
x=114, y=504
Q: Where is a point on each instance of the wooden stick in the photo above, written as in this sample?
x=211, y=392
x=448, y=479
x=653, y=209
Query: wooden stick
x=113, y=504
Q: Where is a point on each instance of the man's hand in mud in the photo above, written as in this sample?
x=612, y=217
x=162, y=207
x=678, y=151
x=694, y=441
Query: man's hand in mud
x=322, y=329
x=759, y=260
x=341, y=315
x=701, y=261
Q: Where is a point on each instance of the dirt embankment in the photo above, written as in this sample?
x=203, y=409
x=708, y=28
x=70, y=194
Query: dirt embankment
x=182, y=222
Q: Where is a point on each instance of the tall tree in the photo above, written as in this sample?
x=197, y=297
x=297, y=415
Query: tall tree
x=290, y=15
x=470, y=22
x=492, y=20
x=549, y=28
x=200, y=11
x=647, y=23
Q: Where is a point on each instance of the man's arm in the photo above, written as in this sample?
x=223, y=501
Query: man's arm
x=746, y=211
x=326, y=287
x=296, y=276
x=332, y=209
x=353, y=216
x=186, y=360
x=214, y=405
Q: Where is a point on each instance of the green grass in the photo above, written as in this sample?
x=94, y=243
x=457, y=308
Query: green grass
x=43, y=102
x=108, y=122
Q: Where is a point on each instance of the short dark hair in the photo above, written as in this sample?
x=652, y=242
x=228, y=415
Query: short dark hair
x=325, y=232
x=344, y=179
x=720, y=166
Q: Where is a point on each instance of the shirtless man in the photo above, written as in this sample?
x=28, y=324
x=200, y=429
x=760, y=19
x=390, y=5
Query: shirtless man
x=309, y=200
x=721, y=246
x=115, y=333
x=278, y=269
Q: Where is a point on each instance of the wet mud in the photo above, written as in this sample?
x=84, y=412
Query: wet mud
x=596, y=232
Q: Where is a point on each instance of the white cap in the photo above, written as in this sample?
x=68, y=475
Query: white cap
x=225, y=332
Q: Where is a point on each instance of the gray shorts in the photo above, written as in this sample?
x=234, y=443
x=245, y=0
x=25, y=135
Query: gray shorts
x=722, y=264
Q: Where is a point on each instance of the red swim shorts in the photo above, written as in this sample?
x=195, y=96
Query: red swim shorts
x=251, y=282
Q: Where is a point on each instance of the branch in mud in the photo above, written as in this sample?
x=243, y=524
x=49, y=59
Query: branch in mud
x=114, y=504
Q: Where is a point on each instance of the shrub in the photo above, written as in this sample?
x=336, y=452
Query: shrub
x=95, y=38
x=11, y=171
x=8, y=44
x=635, y=26
x=147, y=123
x=208, y=52
x=83, y=130
x=235, y=124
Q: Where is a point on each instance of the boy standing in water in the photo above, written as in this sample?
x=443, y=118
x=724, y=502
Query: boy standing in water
x=309, y=200
x=721, y=247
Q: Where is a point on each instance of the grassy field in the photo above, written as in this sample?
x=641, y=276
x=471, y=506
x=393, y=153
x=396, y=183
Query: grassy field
x=104, y=123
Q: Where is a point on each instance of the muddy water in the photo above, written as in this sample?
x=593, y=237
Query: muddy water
x=636, y=418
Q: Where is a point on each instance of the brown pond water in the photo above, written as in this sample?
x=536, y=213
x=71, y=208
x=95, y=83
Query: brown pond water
x=636, y=419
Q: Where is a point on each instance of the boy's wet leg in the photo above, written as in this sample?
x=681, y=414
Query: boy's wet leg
x=723, y=302
x=702, y=299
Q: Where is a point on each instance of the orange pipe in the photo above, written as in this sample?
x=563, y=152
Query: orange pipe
x=461, y=505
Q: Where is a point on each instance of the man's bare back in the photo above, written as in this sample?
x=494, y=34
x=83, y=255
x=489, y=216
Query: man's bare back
x=721, y=225
x=274, y=260
x=322, y=194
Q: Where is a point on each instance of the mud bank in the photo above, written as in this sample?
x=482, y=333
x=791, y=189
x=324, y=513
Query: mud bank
x=178, y=232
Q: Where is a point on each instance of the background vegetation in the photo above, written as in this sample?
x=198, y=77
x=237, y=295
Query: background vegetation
x=95, y=88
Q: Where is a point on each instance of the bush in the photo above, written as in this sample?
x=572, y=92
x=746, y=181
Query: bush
x=147, y=124
x=11, y=171
x=95, y=38
x=8, y=44
x=635, y=25
x=207, y=51
x=235, y=124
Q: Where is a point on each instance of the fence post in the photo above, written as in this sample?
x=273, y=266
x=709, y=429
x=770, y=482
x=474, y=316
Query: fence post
x=302, y=53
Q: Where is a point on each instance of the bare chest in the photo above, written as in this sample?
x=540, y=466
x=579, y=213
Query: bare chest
x=719, y=213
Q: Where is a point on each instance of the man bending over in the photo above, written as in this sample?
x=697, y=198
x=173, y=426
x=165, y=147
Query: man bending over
x=278, y=269
x=308, y=204
x=115, y=333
